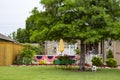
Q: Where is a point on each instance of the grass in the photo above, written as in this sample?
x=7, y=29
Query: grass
x=52, y=73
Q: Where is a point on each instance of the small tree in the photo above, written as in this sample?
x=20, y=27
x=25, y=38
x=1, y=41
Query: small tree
x=110, y=54
x=111, y=62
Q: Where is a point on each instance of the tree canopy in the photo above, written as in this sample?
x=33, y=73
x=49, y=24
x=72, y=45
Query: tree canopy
x=88, y=20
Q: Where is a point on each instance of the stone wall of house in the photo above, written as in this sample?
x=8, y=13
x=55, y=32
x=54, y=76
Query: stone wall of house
x=115, y=47
x=50, y=47
x=108, y=46
x=116, y=51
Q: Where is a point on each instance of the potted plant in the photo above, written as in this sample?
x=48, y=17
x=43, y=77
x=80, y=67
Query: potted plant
x=64, y=60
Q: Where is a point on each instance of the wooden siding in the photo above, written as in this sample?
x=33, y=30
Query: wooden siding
x=8, y=52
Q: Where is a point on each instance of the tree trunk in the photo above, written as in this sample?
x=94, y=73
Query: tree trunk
x=82, y=56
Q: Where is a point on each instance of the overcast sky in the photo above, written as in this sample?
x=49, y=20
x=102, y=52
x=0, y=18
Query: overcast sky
x=13, y=14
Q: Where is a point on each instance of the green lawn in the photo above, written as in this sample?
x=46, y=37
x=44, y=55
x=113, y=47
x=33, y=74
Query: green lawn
x=52, y=73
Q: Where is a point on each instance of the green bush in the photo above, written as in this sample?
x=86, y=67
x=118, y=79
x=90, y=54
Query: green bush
x=110, y=54
x=26, y=55
x=38, y=50
x=111, y=62
x=97, y=61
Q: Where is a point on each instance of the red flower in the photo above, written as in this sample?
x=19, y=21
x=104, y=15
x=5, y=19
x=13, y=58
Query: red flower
x=88, y=65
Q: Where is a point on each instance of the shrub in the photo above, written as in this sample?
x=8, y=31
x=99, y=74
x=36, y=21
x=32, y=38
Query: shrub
x=110, y=54
x=97, y=61
x=38, y=50
x=111, y=62
x=26, y=56
x=27, y=53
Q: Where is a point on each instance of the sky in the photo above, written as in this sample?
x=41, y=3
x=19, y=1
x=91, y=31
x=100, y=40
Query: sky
x=13, y=14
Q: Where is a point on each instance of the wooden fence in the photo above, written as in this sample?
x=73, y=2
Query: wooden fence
x=8, y=52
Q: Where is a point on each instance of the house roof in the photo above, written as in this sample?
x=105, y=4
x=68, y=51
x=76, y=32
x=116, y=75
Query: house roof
x=3, y=37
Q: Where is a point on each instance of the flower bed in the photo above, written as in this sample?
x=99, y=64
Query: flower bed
x=53, y=59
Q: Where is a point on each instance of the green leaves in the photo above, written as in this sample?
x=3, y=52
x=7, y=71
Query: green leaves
x=90, y=35
x=39, y=36
x=91, y=20
x=70, y=2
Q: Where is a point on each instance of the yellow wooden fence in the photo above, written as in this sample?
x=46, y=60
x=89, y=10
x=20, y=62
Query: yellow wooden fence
x=8, y=52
